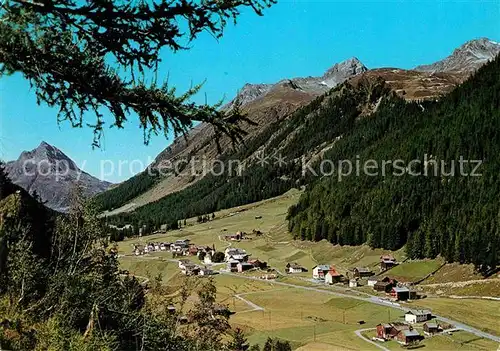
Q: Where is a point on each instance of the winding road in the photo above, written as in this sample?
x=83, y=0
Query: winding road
x=358, y=333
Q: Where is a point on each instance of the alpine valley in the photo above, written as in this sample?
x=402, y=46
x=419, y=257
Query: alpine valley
x=445, y=110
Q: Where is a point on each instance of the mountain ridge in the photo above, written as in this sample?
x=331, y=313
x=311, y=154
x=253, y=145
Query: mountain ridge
x=51, y=174
x=467, y=58
x=267, y=104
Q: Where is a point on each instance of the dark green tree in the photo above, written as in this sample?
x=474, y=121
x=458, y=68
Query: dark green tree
x=72, y=52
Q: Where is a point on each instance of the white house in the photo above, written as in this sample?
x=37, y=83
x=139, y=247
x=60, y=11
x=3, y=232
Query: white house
x=353, y=283
x=332, y=276
x=235, y=254
x=206, y=271
x=320, y=271
x=372, y=281
x=183, y=263
x=208, y=258
x=417, y=316
x=294, y=268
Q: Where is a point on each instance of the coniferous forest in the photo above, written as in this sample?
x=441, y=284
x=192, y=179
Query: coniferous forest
x=450, y=215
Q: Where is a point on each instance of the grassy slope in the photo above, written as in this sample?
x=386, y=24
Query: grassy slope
x=308, y=319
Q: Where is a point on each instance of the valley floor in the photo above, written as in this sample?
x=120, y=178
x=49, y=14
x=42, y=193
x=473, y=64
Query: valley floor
x=312, y=316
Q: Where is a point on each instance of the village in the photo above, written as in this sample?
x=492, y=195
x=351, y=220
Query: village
x=200, y=260
x=232, y=259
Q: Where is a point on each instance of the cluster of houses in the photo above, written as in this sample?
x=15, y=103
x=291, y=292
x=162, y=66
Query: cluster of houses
x=238, y=260
x=404, y=332
x=242, y=236
x=189, y=268
x=182, y=247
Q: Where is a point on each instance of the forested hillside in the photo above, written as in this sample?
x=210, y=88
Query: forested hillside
x=61, y=288
x=311, y=126
x=454, y=216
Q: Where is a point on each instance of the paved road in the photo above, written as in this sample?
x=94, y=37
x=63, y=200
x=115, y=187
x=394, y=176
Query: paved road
x=374, y=300
x=358, y=333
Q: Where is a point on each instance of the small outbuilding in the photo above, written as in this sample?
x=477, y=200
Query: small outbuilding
x=232, y=265
x=294, y=268
x=431, y=328
x=371, y=281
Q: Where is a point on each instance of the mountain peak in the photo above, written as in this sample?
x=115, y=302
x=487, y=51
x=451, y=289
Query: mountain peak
x=343, y=70
x=466, y=58
x=51, y=173
x=353, y=65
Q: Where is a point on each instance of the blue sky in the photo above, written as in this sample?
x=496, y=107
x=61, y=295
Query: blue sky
x=294, y=38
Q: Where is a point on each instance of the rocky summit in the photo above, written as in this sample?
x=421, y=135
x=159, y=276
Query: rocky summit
x=466, y=58
x=51, y=174
x=335, y=75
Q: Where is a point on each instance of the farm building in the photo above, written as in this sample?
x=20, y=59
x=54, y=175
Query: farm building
x=372, y=281
x=235, y=254
x=390, y=330
x=384, y=331
x=258, y=264
x=320, y=271
x=190, y=269
x=332, y=276
x=360, y=272
x=208, y=258
x=244, y=266
x=232, y=265
x=417, y=316
x=387, y=262
x=400, y=293
x=408, y=337
x=206, y=271
x=431, y=328
x=294, y=268
x=383, y=286
x=353, y=283
x=182, y=263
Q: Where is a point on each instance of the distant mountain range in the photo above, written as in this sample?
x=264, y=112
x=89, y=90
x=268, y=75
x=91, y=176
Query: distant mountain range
x=51, y=174
x=267, y=104
x=335, y=75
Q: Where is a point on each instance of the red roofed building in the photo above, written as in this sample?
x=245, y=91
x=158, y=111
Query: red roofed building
x=332, y=276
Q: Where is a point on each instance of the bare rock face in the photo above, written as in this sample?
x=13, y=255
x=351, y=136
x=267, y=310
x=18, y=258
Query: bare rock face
x=50, y=173
x=467, y=58
x=335, y=75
